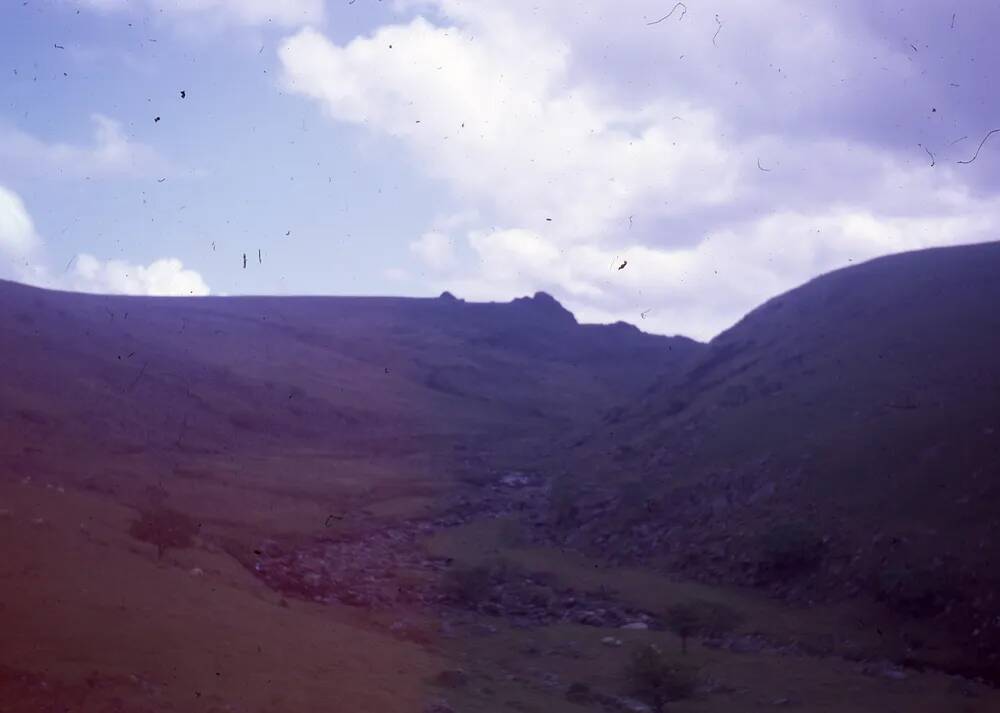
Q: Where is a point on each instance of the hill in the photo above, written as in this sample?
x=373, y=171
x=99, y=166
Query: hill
x=90, y=375
x=161, y=460
x=265, y=504
x=851, y=423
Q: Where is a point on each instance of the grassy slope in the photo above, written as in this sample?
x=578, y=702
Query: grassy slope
x=863, y=403
x=507, y=666
x=97, y=617
x=878, y=372
x=270, y=389
x=258, y=418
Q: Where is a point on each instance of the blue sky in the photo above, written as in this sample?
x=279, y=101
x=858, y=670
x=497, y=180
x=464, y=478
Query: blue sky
x=243, y=162
x=724, y=154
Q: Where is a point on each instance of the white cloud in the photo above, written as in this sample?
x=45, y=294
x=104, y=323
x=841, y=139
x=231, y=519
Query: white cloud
x=435, y=250
x=581, y=167
x=22, y=248
x=288, y=13
x=111, y=154
x=494, y=116
x=700, y=290
x=769, y=62
x=455, y=221
x=163, y=277
x=17, y=231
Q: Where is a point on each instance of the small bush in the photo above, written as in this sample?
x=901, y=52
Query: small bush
x=914, y=591
x=563, y=498
x=468, y=585
x=716, y=619
x=634, y=502
x=699, y=616
x=791, y=547
x=655, y=679
x=504, y=570
x=683, y=620
x=580, y=693
x=537, y=596
x=165, y=528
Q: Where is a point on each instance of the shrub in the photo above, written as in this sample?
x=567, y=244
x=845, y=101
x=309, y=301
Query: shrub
x=914, y=591
x=682, y=619
x=563, y=497
x=537, y=596
x=656, y=680
x=504, y=570
x=634, y=502
x=698, y=616
x=791, y=547
x=468, y=585
x=716, y=619
x=579, y=693
x=164, y=528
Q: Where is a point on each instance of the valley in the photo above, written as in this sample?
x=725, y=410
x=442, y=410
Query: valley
x=321, y=504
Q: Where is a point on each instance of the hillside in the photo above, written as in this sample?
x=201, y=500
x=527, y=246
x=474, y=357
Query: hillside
x=159, y=458
x=87, y=375
x=266, y=504
x=859, y=409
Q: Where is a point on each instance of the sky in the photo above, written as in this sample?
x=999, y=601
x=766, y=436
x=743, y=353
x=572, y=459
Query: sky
x=671, y=165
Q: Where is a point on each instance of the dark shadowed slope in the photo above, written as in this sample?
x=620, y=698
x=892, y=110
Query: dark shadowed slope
x=864, y=407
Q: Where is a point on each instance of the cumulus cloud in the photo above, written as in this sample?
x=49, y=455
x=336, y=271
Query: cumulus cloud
x=164, y=277
x=494, y=119
x=241, y=12
x=112, y=153
x=435, y=250
x=17, y=231
x=701, y=289
x=720, y=158
x=21, y=258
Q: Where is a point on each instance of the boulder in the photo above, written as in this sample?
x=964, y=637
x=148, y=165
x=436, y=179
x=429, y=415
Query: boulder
x=636, y=625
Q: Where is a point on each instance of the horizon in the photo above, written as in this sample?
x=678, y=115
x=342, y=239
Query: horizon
x=494, y=150
x=446, y=294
